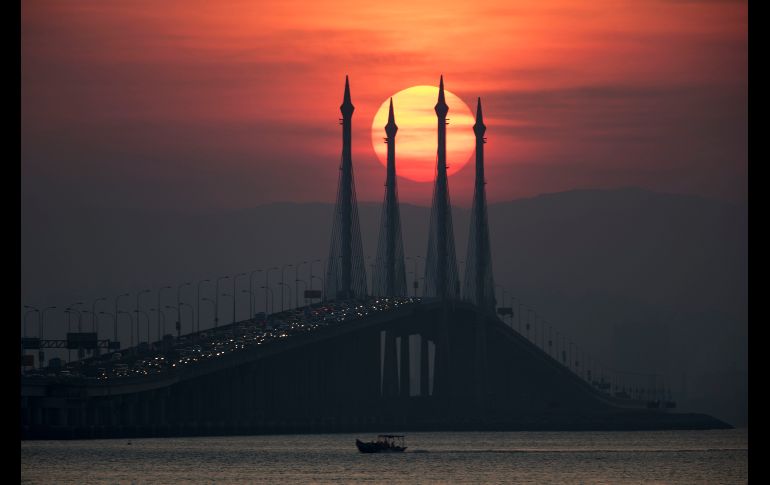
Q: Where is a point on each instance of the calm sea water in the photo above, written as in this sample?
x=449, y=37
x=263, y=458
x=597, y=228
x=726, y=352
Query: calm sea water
x=669, y=457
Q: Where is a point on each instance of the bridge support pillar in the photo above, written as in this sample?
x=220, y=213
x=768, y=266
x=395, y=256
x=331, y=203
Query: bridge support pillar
x=63, y=412
x=369, y=378
x=160, y=410
x=480, y=357
x=82, y=408
x=404, y=371
x=390, y=366
x=442, y=383
x=145, y=409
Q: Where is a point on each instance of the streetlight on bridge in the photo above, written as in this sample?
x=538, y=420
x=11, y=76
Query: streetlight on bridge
x=296, y=286
x=178, y=318
x=250, y=298
x=93, y=313
x=213, y=304
x=69, y=311
x=179, y=306
x=81, y=350
x=42, y=319
x=311, y=271
x=267, y=285
x=147, y=317
x=283, y=277
x=80, y=322
x=198, y=303
x=235, y=278
x=40, y=353
x=161, y=330
x=161, y=318
x=192, y=317
x=288, y=287
x=138, y=309
x=216, y=300
x=116, y=315
x=224, y=293
x=97, y=324
x=272, y=299
x=319, y=278
x=304, y=288
x=252, y=309
x=130, y=327
x=30, y=309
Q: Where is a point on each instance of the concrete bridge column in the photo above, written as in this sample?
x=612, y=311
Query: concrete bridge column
x=305, y=384
x=144, y=407
x=244, y=394
x=124, y=411
x=262, y=390
x=480, y=358
x=234, y=416
x=390, y=366
x=162, y=401
x=442, y=382
x=249, y=385
x=63, y=413
x=404, y=370
x=112, y=413
x=82, y=412
x=298, y=384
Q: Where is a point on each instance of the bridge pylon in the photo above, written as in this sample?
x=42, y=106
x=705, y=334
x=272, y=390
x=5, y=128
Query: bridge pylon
x=441, y=276
x=479, y=284
x=345, y=268
x=389, y=274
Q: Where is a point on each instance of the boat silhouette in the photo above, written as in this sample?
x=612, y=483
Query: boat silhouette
x=385, y=443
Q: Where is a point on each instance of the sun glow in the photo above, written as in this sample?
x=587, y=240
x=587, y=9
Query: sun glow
x=418, y=131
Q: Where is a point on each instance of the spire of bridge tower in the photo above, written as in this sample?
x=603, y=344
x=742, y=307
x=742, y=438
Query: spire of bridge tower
x=345, y=269
x=347, y=105
x=479, y=284
x=441, y=107
x=391, y=128
x=390, y=275
x=441, y=277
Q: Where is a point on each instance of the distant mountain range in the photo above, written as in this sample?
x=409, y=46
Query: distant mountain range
x=643, y=281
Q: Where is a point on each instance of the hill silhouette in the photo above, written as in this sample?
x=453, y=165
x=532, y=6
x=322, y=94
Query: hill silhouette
x=643, y=281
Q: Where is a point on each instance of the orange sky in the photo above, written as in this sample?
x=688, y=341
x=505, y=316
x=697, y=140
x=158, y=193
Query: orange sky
x=234, y=104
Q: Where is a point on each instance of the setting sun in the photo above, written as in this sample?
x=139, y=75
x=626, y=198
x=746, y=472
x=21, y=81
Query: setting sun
x=417, y=132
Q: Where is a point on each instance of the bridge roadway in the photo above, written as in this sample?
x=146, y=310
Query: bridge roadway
x=482, y=375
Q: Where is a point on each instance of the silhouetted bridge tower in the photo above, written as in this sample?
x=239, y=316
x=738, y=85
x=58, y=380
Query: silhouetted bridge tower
x=390, y=275
x=346, y=271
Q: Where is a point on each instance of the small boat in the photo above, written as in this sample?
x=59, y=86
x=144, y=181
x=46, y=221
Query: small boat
x=386, y=443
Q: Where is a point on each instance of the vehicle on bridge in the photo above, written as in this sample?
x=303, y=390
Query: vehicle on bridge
x=386, y=443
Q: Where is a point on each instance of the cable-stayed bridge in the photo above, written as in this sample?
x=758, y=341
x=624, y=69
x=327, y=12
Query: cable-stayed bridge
x=364, y=358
